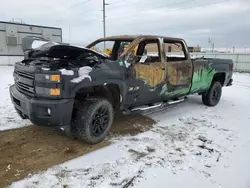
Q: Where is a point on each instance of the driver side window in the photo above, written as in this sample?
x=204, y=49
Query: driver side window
x=148, y=66
x=147, y=52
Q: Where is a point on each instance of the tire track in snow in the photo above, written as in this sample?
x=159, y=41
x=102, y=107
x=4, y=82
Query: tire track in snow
x=181, y=146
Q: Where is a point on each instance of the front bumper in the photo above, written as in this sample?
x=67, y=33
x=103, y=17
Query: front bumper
x=36, y=110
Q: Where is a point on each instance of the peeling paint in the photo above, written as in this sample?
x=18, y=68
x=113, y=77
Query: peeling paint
x=126, y=64
x=67, y=72
x=45, y=69
x=83, y=73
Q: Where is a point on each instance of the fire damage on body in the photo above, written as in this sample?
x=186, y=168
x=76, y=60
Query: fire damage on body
x=82, y=88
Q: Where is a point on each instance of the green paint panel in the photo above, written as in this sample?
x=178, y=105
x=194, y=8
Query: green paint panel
x=166, y=93
x=202, y=79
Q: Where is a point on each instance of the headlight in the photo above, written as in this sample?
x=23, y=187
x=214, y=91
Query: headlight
x=54, y=92
x=48, y=91
x=53, y=77
x=48, y=77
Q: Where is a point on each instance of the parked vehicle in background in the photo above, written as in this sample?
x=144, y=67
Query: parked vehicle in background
x=64, y=85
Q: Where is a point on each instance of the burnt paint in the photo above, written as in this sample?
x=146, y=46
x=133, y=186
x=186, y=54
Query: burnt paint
x=141, y=83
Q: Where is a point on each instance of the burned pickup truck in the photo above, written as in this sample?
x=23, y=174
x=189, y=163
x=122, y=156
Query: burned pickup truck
x=82, y=87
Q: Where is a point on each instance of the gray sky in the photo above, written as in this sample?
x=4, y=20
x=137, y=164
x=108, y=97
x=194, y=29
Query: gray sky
x=226, y=22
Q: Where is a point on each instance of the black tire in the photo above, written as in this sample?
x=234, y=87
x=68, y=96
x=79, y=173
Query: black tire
x=213, y=95
x=93, y=120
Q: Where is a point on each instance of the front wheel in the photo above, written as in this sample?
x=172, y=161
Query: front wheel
x=93, y=120
x=213, y=95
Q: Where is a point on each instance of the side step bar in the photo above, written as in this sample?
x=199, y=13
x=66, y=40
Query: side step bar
x=176, y=101
x=147, y=107
x=156, y=106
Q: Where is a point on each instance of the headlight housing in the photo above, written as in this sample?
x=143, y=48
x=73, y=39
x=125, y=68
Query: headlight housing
x=48, y=77
x=53, y=77
x=48, y=85
x=48, y=91
x=54, y=91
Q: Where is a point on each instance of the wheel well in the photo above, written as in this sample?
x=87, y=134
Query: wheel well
x=220, y=77
x=111, y=92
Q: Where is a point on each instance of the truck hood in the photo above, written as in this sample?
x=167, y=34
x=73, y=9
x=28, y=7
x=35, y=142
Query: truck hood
x=33, y=42
x=39, y=47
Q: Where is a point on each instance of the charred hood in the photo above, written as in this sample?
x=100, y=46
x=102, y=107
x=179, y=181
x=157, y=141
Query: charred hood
x=34, y=47
x=55, y=56
x=62, y=51
x=58, y=55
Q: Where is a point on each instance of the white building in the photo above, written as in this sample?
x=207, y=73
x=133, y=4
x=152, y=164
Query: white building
x=11, y=35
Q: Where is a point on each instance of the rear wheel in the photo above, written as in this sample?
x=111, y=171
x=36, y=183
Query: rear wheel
x=213, y=95
x=93, y=120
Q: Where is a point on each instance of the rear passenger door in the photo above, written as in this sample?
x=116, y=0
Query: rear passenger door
x=179, y=69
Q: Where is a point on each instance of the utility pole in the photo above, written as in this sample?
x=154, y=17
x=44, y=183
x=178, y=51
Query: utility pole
x=69, y=33
x=104, y=20
x=210, y=41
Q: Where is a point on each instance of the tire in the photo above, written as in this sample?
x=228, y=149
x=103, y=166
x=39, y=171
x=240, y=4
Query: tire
x=213, y=95
x=88, y=125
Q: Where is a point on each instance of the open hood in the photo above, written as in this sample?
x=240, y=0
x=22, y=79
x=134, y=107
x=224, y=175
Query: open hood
x=39, y=43
x=40, y=46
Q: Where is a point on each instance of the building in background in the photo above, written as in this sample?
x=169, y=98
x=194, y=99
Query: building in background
x=194, y=49
x=172, y=48
x=12, y=33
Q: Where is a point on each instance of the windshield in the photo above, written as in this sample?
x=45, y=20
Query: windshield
x=110, y=48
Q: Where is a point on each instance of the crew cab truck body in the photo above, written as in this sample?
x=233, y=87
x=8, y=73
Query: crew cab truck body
x=65, y=85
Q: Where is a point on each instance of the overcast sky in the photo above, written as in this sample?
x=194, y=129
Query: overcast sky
x=227, y=23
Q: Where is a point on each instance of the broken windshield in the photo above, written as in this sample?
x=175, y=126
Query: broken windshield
x=110, y=48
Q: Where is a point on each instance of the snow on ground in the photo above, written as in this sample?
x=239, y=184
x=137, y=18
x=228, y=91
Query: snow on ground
x=8, y=117
x=191, y=146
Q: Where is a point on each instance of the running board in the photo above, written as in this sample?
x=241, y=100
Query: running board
x=157, y=106
x=177, y=101
x=147, y=107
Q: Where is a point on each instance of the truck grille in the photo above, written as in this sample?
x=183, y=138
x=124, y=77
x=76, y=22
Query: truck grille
x=24, y=82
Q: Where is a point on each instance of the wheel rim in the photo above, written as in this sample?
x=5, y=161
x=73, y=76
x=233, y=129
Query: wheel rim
x=100, y=121
x=216, y=93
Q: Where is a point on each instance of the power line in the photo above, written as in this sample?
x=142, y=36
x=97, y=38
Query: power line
x=71, y=7
x=142, y=14
x=104, y=7
x=115, y=2
x=150, y=2
x=202, y=5
x=162, y=6
x=76, y=5
x=166, y=5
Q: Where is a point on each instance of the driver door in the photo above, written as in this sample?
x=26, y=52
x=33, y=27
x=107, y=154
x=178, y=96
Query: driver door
x=149, y=70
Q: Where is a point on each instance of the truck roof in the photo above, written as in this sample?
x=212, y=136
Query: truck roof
x=132, y=37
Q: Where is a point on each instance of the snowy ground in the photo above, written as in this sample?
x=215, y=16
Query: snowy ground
x=8, y=117
x=190, y=146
